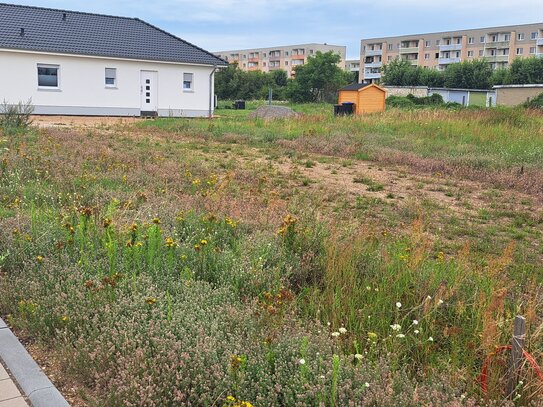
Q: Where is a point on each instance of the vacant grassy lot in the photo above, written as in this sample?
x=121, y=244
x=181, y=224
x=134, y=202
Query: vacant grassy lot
x=315, y=261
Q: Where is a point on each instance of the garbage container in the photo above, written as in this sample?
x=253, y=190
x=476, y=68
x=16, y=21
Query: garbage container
x=348, y=108
x=239, y=105
x=338, y=110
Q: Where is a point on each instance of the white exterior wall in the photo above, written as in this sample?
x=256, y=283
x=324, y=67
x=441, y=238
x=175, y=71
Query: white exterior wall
x=83, y=91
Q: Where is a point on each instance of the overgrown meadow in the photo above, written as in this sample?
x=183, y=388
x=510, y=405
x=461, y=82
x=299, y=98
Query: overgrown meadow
x=172, y=262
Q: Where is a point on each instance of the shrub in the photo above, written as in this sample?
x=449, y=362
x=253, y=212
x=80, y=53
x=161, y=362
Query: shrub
x=400, y=101
x=16, y=118
x=536, y=102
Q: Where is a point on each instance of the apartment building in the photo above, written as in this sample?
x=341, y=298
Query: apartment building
x=352, y=65
x=498, y=45
x=274, y=58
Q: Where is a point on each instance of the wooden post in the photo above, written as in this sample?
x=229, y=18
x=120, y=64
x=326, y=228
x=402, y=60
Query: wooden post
x=517, y=356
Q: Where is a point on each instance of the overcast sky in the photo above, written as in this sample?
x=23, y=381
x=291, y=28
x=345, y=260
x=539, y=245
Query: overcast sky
x=232, y=24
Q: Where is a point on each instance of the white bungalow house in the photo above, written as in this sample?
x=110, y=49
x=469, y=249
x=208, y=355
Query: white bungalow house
x=73, y=63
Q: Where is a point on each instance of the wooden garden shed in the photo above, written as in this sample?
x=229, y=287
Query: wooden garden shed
x=367, y=97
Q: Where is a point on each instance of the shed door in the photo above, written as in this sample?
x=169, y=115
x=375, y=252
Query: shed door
x=149, y=94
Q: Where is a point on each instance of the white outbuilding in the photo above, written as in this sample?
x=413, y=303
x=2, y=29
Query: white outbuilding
x=74, y=63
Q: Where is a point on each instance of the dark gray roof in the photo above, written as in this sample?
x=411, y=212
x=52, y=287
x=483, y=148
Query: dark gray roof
x=355, y=86
x=80, y=33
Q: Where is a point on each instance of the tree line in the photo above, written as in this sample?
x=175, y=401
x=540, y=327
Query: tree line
x=316, y=81
x=476, y=74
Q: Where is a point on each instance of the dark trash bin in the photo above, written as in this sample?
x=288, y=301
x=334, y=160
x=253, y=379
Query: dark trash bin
x=338, y=110
x=348, y=108
x=239, y=105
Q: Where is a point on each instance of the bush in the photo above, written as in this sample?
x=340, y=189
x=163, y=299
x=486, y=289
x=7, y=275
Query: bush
x=411, y=101
x=400, y=101
x=536, y=103
x=15, y=118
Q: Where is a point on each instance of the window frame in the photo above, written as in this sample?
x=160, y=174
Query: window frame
x=521, y=51
x=520, y=36
x=106, y=77
x=48, y=66
x=191, y=88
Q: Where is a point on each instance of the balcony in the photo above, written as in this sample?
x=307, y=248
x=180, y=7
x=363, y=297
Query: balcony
x=373, y=64
x=539, y=42
x=372, y=52
x=497, y=58
x=409, y=50
x=446, y=61
x=450, y=47
x=373, y=75
x=497, y=44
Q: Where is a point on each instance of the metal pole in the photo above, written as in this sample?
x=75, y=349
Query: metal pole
x=211, y=91
x=270, y=96
x=517, y=354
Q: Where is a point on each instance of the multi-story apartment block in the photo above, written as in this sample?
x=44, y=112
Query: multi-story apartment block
x=274, y=58
x=498, y=45
x=352, y=65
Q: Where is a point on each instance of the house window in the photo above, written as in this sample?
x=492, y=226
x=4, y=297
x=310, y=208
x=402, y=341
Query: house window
x=437, y=42
x=471, y=40
x=48, y=76
x=286, y=53
x=426, y=44
x=533, y=36
x=437, y=54
x=520, y=36
x=427, y=56
x=507, y=37
x=470, y=53
x=520, y=51
x=188, y=79
x=111, y=77
x=390, y=47
x=482, y=39
x=532, y=50
x=481, y=52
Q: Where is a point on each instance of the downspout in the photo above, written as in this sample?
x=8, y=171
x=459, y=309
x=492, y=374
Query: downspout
x=211, y=91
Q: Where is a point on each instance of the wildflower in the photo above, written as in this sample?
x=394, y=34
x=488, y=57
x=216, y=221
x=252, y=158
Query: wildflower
x=430, y=339
x=342, y=330
x=358, y=356
x=335, y=334
x=156, y=221
x=428, y=298
x=366, y=385
x=302, y=361
x=400, y=336
x=416, y=331
x=134, y=227
x=230, y=398
x=107, y=223
x=138, y=244
x=183, y=257
x=203, y=242
x=368, y=288
x=415, y=322
x=170, y=242
x=230, y=222
x=372, y=336
x=197, y=247
x=196, y=182
x=441, y=256
x=398, y=305
x=129, y=243
x=39, y=258
x=150, y=300
x=235, y=361
x=396, y=327
x=322, y=376
x=65, y=318
x=440, y=302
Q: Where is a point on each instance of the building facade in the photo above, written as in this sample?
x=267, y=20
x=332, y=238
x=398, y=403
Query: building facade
x=271, y=59
x=498, y=45
x=72, y=63
x=352, y=65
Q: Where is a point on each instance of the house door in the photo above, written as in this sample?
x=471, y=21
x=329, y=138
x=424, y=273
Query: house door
x=149, y=94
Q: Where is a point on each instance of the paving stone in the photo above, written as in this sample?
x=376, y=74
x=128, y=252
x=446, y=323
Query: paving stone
x=16, y=402
x=3, y=373
x=50, y=397
x=2, y=324
x=8, y=390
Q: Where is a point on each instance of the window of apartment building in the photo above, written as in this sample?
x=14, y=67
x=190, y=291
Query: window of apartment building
x=494, y=38
x=482, y=39
x=264, y=55
x=458, y=41
x=437, y=54
x=532, y=50
x=520, y=36
x=244, y=56
x=244, y=65
x=390, y=47
x=507, y=37
x=426, y=43
x=437, y=42
x=427, y=56
x=481, y=52
x=263, y=64
x=390, y=58
x=111, y=77
x=471, y=40
x=286, y=53
x=520, y=51
x=48, y=76
x=286, y=63
x=457, y=54
x=188, y=80
x=311, y=51
x=506, y=51
x=470, y=53
x=533, y=36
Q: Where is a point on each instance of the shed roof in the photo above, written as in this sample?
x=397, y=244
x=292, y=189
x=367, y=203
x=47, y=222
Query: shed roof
x=359, y=86
x=73, y=32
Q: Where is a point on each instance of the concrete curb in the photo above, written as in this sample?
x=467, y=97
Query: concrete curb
x=35, y=385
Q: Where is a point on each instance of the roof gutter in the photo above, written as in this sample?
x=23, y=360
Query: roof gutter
x=211, y=91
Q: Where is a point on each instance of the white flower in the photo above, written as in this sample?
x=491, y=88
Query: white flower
x=416, y=331
x=396, y=327
x=335, y=334
x=358, y=356
x=430, y=339
x=323, y=377
x=415, y=322
x=400, y=336
x=302, y=361
x=368, y=288
x=398, y=305
x=342, y=330
x=366, y=385
x=328, y=323
x=428, y=298
x=440, y=302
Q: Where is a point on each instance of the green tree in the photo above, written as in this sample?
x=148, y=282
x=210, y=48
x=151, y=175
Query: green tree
x=318, y=80
x=474, y=74
x=400, y=72
x=526, y=70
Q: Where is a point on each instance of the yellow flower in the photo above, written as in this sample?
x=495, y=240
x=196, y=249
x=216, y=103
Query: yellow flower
x=230, y=398
x=39, y=258
x=196, y=182
x=183, y=257
x=134, y=227
x=197, y=247
x=170, y=242
x=65, y=318
x=203, y=242
x=150, y=300
x=441, y=256
x=372, y=336
x=230, y=222
x=156, y=221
